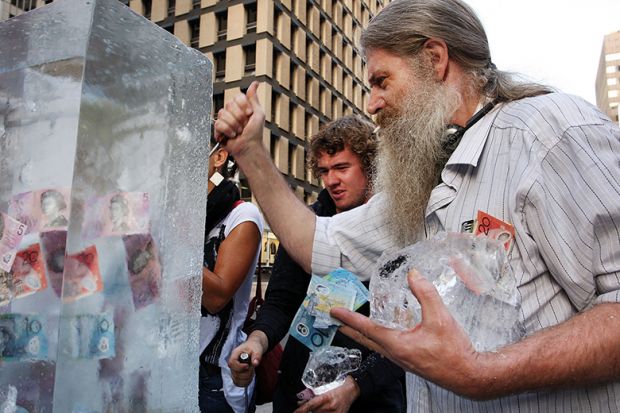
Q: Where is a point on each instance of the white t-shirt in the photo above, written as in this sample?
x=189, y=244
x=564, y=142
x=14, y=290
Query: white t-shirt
x=209, y=325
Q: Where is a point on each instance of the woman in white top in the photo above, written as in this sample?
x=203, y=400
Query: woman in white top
x=232, y=242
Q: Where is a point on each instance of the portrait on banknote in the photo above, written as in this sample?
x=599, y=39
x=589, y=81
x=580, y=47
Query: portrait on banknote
x=22, y=337
x=82, y=276
x=28, y=272
x=42, y=210
x=53, y=245
x=54, y=208
x=118, y=213
x=144, y=268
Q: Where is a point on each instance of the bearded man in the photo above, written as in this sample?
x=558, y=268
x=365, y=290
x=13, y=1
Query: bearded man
x=546, y=163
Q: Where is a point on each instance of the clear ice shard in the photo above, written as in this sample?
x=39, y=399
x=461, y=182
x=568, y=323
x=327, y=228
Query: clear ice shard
x=471, y=274
x=104, y=133
x=328, y=367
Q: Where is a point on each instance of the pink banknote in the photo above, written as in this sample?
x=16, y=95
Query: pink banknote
x=42, y=210
x=28, y=272
x=118, y=213
x=82, y=276
x=11, y=234
x=144, y=269
x=54, y=244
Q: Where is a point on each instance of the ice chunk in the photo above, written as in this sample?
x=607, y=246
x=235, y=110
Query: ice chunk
x=472, y=275
x=328, y=367
x=99, y=103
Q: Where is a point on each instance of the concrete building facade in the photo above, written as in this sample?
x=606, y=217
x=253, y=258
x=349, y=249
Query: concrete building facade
x=303, y=52
x=608, y=77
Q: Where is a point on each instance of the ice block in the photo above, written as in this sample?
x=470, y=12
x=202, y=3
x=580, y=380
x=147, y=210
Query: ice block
x=104, y=133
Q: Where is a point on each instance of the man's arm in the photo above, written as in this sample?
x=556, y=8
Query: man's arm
x=285, y=293
x=582, y=351
x=239, y=128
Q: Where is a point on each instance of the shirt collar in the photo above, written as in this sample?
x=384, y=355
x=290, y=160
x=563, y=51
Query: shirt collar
x=469, y=150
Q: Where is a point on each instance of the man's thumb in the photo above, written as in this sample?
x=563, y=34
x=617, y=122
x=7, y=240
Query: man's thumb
x=253, y=95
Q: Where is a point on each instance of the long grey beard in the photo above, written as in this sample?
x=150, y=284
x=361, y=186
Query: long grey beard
x=411, y=156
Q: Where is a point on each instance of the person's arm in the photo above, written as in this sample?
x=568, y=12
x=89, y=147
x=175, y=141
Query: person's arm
x=582, y=351
x=239, y=128
x=285, y=293
x=235, y=256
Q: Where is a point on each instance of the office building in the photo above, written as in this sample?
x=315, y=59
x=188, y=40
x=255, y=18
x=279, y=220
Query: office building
x=608, y=77
x=303, y=53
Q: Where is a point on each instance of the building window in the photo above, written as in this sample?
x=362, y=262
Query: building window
x=304, y=168
x=196, y=4
x=612, y=94
x=25, y=5
x=244, y=185
x=194, y=30
x=222, y=24
x=275, y=101
x=277, y=22
x=218, y=103
x=291, y=116
x=612, y=56
x=273, y=146
x=147, y=5
x=220, y=65
x=250, y=59
x=291, y=158
x=171, y=6
x=612, y=81
x=611, y=69
x=250, y=15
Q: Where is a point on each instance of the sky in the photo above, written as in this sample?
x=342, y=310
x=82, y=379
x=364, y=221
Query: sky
x=556, y=42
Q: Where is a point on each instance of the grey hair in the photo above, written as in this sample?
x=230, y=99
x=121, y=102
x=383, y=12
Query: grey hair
x=403, y=27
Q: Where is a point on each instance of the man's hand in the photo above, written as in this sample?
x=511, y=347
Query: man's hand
x=338, y=400
x=437, y=348
x=240, y=122
x=254, y=346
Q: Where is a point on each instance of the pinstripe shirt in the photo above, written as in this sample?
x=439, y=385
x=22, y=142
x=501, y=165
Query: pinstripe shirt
x=550, y=166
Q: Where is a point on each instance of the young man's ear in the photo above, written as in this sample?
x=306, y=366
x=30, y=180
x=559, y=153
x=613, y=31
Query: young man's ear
x=437, y=52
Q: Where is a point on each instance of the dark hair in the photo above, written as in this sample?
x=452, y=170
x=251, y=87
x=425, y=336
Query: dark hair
x=403, y=27
x=351, y=132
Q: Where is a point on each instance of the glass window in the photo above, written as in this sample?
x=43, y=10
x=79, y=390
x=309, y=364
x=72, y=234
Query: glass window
x=250, y=16
x=222, y=24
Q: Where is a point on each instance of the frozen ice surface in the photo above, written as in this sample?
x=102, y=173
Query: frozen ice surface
x=328, y=367
x=471, y=274
x=98, y=99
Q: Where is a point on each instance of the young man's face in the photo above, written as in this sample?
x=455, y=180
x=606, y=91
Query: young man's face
x=344, y=179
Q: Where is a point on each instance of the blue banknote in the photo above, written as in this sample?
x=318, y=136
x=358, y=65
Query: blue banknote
x=92, y=336
x=349, y=280
x=303, y=330
x=22, y=337
x=312, y=325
